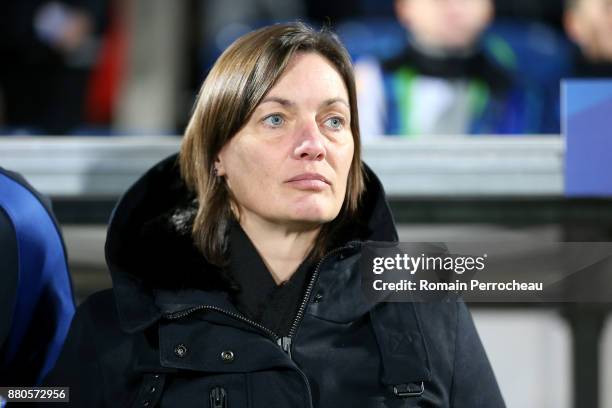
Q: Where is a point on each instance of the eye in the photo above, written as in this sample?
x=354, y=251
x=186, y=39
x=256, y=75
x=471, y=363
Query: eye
x=334, y=123
x=274, y=120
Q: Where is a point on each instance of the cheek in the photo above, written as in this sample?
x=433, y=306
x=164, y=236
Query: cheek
x=606, y=26
x=348, y=153
x=254, y=177
x=248, y=175
x=344, y=160
x=472, y=19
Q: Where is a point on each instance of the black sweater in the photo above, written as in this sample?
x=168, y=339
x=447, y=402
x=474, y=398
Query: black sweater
x=260, y=298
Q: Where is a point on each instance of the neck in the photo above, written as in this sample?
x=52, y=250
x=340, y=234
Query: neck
x=282, y=247
x=439, y=52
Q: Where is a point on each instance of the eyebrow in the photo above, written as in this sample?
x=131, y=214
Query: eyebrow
x=281, y=101
x=287, y=103
x=334, y=100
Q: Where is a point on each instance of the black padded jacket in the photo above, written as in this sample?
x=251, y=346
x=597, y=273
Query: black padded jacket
x=168, y=334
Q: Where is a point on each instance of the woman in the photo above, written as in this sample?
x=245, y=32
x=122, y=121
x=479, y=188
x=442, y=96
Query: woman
x=234, y=264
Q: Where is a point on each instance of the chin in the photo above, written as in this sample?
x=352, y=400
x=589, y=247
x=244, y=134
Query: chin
x=312, y=217
x=452, y=44
x=313, y=208
x=313, y=214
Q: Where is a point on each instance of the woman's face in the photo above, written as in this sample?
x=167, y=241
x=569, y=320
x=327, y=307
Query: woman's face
x=289, y=164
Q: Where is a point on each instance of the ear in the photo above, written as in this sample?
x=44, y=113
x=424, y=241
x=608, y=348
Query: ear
x=572, y=26
x=219, y=166
x=403, y=12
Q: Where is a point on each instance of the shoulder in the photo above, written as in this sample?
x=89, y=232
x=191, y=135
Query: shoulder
x=440, y=324
x=453, y=343
x=96, y=361
x=99, y=313
x=8, y=177
x=95, y=328
x=101, y=302
x=30, y=213
x=368, y=74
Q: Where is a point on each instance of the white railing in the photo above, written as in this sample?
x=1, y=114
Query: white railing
x=467, y=166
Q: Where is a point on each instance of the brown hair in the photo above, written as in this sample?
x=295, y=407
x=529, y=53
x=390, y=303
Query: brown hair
x=570, y=4
x=236, y=84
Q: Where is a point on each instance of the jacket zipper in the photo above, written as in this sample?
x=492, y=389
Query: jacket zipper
x=284, y=342
x=313, y=280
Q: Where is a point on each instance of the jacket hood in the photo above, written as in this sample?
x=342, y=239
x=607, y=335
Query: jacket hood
x=149, y=250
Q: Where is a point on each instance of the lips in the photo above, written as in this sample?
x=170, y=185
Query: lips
x=309, y=176
x=309, y=181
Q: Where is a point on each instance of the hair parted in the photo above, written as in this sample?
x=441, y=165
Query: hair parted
x=236, y=84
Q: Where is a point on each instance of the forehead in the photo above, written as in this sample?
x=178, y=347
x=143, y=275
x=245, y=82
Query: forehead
x=592, y=5
x=309, y=74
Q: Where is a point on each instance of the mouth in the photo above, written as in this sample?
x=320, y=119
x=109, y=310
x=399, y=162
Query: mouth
x=309, y=181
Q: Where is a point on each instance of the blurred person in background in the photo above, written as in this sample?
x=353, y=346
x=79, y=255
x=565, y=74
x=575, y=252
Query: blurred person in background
x=36, y=302
x=450, y=79
x=589, y=24
x=48, y=49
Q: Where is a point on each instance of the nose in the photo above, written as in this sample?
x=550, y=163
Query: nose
x=309, y=142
